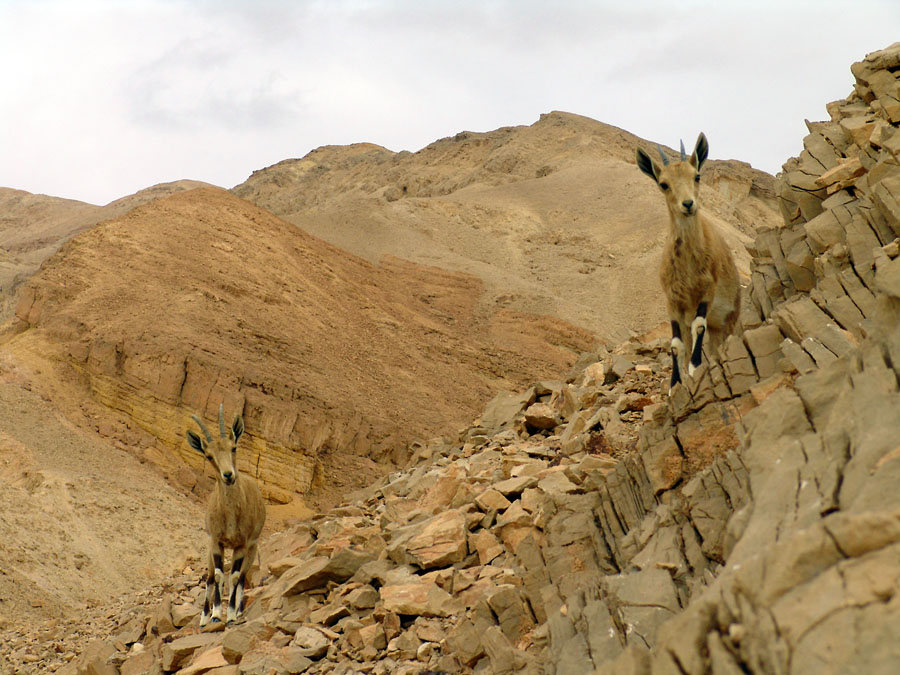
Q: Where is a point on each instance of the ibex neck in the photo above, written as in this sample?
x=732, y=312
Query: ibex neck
x=228, y=491
x=687, y=234
x=682, y=221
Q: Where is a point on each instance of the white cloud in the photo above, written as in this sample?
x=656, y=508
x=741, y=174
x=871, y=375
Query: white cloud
x=106, y=98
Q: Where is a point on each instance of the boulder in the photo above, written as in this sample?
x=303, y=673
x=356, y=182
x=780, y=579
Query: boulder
x=311, y=642
x=541, y=416
x=419, y=598
x=435, y=542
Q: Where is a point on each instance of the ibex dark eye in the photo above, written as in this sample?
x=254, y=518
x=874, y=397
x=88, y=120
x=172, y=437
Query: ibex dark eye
x=664, y=186
x=697, y=178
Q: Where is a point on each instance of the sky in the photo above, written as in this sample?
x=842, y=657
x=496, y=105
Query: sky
x=102, y=99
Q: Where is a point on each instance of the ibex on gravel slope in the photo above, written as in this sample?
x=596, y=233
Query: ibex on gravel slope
x=234, y=518
x=698, y=273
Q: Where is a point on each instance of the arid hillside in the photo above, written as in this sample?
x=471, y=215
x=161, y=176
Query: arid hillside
x=202, y=297
x=32, y=228
x=554, y=218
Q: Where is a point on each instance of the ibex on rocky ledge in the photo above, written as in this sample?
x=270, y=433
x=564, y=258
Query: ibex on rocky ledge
x=698, y=273
x=234, y=518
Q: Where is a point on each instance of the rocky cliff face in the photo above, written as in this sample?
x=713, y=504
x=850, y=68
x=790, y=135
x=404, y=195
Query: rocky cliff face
x=797, y=522
x=754, y=528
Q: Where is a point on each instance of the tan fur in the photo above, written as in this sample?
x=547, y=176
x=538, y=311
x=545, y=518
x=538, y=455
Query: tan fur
x=697, y=265
x=235, y=514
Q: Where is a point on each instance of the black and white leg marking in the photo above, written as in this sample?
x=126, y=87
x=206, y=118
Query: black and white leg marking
x=205, y=616
x=677, y=355
x=218, y=587
x=212, y=606
x=236, y=597
x=698, y=330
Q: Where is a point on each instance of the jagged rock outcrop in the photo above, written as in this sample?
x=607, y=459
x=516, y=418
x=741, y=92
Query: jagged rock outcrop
x=798, y=522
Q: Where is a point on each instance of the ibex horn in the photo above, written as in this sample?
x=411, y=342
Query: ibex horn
x=665, y=159
x=683, y=156
x=202, y=428
x=222, y=419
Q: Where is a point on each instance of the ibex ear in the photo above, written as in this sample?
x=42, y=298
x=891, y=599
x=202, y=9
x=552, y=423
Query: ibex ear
x=646, y=164
x=237, y=427
x=701, y=150
x=196, y=442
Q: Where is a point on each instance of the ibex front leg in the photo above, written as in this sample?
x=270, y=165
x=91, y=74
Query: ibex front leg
x=678, y=354
x=215, y=582
x=240, y=563
x=698, y=330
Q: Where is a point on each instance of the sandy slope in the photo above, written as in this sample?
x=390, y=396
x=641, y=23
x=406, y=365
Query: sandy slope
x=81, y=521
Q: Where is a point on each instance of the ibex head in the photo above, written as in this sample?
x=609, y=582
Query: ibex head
x=679, y=181
x=219, y=451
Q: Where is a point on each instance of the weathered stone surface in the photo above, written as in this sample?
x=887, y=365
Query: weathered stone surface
x=515, y=486
x=486, y=545
x=312, y=643
x=841, y=176
x=182, y=615
x=309, y=574
x=363, y=597
x=664, y=464
x=505, y=658
x=824, y=231
x=764, y=344
x=329, y=614
x=176, y=652
x=143, y=663
x=373, y=636
x=206, y=661
x=504, y=408
x=240, y=639
x=738, y=365
x=421, y=598
x=541, y=416
x=274, y=661
x=886, y=197
x=435, y=542
x=492, y=500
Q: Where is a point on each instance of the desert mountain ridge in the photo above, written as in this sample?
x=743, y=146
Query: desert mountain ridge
x=550, y=216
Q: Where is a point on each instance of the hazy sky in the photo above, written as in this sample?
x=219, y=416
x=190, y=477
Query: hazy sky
x=101, y=99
